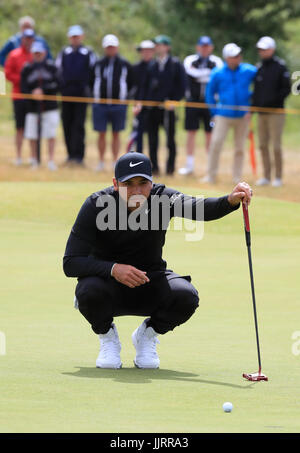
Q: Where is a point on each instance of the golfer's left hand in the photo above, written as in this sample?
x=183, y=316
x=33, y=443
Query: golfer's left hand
x=241, y=193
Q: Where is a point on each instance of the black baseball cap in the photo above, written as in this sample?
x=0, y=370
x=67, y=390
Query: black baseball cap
x=133, y=164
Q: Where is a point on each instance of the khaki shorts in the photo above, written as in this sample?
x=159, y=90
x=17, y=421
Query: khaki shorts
x=49, y=123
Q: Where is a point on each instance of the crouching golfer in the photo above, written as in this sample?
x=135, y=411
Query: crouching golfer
x=115, y=251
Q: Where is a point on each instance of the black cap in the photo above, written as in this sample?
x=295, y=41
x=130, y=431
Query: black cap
x=133, y=164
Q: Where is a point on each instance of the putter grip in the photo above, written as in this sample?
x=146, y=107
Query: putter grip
x=246, y=224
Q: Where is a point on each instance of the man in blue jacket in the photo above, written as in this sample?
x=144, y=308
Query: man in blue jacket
x=15, y=41
x=229, y=86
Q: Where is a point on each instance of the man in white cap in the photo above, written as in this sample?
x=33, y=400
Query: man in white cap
x=229, y=86
x=112, y=81
x=146, y=50
x=75, y=63
x=272, y=86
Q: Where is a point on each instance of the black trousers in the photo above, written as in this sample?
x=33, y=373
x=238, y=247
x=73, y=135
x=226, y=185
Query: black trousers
x=142, y=127
x=160, y=117
x=168, y=299
x=73, y=119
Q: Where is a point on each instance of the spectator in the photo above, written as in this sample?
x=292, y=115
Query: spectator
x=272, y=86
x=75, y=63
x=15, y=41
x=146, y=50
x=198, y=68
x=38, y=78
x=229, y=86
x=112, y=80
x=13, y=66
x=166, y=82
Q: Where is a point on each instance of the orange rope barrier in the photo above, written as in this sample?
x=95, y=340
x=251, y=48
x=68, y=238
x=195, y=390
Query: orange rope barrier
x=144, y=103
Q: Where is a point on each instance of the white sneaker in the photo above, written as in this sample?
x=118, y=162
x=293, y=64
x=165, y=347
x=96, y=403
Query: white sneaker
x=144, y=340
x=110, y=348
x=277, y=182
x=185, y=171
x=51, y=165
x=34, y=164
x=18, y=161
x=100, y=166
x=207, y=180
x=262, y=182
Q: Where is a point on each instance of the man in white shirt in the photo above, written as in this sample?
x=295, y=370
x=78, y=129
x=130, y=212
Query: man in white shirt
x=198, y=68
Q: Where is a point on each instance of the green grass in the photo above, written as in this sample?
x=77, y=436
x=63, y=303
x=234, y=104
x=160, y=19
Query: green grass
x=48, y=378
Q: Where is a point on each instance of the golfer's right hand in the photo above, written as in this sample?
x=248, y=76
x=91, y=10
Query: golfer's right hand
x=129, y=275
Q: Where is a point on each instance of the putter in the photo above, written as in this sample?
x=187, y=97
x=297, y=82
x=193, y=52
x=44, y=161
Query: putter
x=252, y=376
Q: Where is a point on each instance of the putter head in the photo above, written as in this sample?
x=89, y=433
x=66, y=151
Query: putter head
x=254, y=377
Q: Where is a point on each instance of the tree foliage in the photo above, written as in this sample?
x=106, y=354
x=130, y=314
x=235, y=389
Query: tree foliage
x=240, y=21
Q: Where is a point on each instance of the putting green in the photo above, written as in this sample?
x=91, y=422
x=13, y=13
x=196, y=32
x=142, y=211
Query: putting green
x=49, y=382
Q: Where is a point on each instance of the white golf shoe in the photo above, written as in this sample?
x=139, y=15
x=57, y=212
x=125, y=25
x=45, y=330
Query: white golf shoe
x=100, y=166
x=34, y=164
x=52, y=165
x=145, y=340
x=207, y=180
x=262, y=182
x=18, y=162
x=110, y=348
x=185, y=171
x=277, y=182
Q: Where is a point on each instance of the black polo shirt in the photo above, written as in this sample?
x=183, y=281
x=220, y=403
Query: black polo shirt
x=92, y=250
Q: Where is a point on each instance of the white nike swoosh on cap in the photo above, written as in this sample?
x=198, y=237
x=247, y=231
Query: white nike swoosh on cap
x=134, y=165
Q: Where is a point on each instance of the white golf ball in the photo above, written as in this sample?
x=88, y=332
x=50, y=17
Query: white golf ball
x=227, y=407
